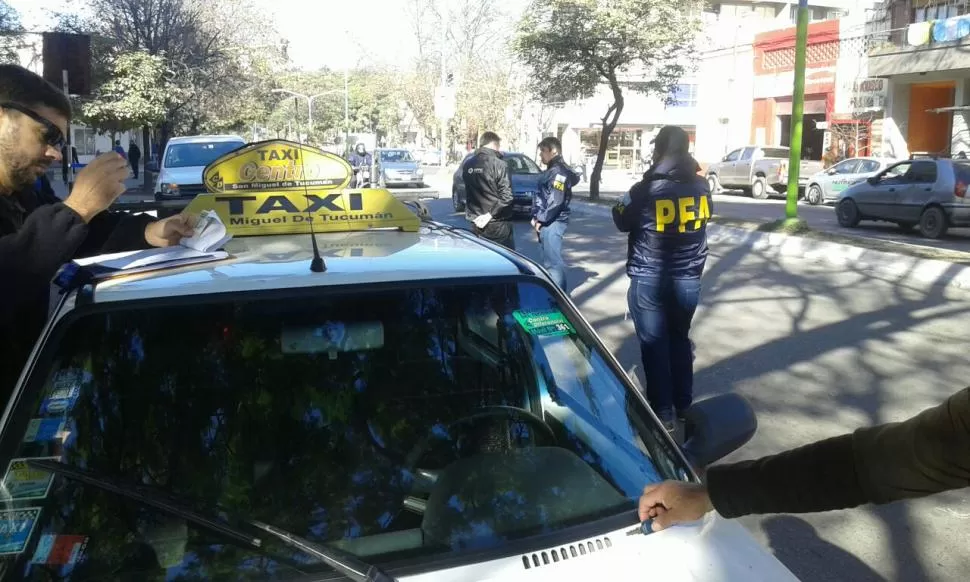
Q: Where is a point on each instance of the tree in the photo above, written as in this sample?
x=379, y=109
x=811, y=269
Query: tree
x=136, y=94
x=9, y=25
x=573, y=47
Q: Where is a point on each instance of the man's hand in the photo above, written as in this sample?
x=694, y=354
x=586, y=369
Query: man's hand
x=482, y=220
x=169, y=232
x=673, y=502
x=98, y=185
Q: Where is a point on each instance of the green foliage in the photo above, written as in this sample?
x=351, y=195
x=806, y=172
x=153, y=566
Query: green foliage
x=137, y=93
x=572, y=47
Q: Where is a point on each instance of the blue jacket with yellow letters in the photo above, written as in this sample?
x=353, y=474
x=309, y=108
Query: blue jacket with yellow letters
x=666, y=215
x=555, y=190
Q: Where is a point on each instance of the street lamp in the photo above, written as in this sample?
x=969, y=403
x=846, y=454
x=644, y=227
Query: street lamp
x=311, y=98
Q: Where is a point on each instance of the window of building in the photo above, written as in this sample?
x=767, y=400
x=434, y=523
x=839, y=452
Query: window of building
x=928, y=10
x=683, y=96
x=84, y=141
x=817, y=13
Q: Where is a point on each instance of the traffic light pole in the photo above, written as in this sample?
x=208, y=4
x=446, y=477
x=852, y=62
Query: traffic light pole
x=797, y=110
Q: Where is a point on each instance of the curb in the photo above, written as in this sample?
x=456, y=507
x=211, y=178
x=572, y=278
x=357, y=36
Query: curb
x=890, y=265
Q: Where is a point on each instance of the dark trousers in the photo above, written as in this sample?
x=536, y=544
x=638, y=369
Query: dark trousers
x=662, y=309
x=498, y=231
x=134, y=166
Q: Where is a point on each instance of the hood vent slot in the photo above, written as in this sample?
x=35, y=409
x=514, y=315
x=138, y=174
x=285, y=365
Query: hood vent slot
x=563, y=553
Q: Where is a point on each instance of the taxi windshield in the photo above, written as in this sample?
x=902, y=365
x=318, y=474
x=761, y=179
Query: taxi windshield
x=397, y=424
x=395, y=156
x=191, y=155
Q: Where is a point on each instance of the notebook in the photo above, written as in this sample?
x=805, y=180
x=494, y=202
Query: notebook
x=203, y=246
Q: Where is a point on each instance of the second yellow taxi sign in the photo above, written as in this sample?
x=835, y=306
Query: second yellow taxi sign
x=281, y=187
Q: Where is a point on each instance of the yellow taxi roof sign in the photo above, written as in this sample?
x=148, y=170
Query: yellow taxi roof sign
x=282, y=187
x=278, y=165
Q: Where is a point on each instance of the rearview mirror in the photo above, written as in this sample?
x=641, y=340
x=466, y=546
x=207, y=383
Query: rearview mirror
x=718, y=426
x=873, y=180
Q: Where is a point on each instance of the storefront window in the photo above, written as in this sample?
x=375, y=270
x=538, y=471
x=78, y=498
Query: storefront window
x=683, y=96
x=622, y=150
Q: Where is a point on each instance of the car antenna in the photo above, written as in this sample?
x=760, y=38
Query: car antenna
x=316, y=265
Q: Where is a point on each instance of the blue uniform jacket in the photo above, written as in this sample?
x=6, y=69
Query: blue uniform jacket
x=666, y=215
x=551, y=202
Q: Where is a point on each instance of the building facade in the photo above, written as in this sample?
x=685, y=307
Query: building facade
x=919, y=48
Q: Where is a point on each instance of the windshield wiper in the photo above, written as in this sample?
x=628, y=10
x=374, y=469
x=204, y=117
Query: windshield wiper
x=152, y=499
x=346, y=564
x=349, y=566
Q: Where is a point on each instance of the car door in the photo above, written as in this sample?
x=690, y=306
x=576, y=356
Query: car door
x=920, y=188
x=878, y=200
x=726, y=173
x=839, y=177
x=742, y=169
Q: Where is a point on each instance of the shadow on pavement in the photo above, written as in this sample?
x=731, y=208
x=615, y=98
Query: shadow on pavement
x=795, y=542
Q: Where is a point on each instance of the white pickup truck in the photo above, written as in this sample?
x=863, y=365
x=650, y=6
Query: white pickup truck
x=759, y=170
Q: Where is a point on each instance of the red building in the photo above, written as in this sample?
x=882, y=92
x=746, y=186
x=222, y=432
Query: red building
x=774, y=66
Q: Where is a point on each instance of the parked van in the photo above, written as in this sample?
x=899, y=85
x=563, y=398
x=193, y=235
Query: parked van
x=184, y=159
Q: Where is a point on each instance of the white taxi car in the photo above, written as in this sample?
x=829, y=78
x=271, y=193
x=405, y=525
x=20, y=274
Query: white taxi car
x=388, y=398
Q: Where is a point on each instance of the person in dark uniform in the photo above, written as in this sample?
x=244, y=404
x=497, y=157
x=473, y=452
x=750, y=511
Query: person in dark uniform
x=488, y=192
x=929, y=453
x=134, y=157
x=666, y=215
x=550, y=208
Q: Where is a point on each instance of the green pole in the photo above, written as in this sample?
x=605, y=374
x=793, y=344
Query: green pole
x=797, y=110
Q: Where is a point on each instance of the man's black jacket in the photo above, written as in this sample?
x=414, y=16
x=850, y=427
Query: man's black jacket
x=926, y=454
x=38, y=234
x=488, y=189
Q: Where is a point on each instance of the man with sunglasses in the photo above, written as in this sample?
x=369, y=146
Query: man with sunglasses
x=39, y=232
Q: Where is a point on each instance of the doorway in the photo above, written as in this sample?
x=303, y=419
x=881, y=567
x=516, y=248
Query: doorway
x=927, y=131
x=813, y=138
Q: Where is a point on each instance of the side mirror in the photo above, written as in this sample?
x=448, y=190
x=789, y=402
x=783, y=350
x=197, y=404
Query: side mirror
x=718, y=426
x=873, y=180
x=830, y=171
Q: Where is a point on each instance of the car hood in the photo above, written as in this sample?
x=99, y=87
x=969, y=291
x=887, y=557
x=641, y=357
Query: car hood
x=712, y=550
x=189, y=175
x=524, y=183
x=400, y=166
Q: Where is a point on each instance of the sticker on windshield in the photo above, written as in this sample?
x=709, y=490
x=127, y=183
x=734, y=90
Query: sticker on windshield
x=45, y=430
x=64, y=392
x=21, y=481
x=547, y=323
x=59, y=550
x=16, y=528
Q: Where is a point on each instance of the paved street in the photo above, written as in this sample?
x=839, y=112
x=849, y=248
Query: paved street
x=818, y=350
x=739, y=206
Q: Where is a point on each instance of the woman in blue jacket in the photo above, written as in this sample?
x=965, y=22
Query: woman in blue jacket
x=666, y=216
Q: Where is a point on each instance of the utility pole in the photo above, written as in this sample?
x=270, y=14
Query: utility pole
x=346, y=111
x=797, y=110
x=68, y=147
x=444, y=78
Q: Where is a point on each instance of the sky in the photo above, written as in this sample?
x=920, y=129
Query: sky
x=322, y=33
x=331, y=33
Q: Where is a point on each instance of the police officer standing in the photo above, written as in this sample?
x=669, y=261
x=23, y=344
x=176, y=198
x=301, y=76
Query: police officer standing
x=550, y=208
x=666, y=214
x=488, y=192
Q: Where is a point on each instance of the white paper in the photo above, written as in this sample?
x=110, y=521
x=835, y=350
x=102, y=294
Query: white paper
x=210, y=234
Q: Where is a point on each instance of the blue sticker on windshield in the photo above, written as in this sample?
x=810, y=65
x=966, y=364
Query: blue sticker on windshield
x=21, y=481
x=64, y=392
x=44, y=430
x=16, y=528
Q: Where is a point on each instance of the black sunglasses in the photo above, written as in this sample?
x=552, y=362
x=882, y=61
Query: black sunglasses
x=53, y=136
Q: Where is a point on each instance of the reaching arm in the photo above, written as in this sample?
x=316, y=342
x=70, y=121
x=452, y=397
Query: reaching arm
x=926, y=454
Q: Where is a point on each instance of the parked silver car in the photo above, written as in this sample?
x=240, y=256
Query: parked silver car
x=824, y=186
x=761, y=171
x=930, y=193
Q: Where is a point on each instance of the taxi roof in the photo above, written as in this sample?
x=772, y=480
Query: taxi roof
x=283, y=261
